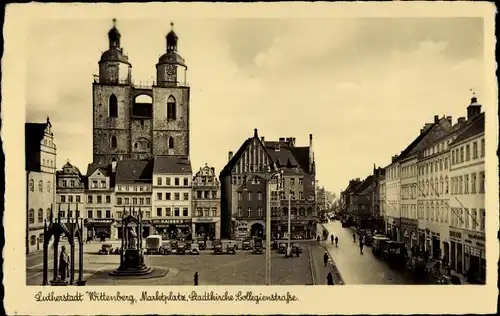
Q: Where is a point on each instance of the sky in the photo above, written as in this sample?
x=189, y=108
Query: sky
x=362, y=86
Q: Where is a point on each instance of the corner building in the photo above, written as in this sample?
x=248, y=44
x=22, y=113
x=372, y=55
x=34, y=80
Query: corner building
x=127, y=127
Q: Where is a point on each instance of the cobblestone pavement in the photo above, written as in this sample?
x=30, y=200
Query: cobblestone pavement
x=243, y=268
x=365, y=268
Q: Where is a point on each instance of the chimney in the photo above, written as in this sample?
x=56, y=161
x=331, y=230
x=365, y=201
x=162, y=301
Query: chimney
x=282, y=139
x=436, y=118
x=394, y=158
x=450, y=119
x=461, y=120
x=310, y=140
x=230, y=156
x=262, y=139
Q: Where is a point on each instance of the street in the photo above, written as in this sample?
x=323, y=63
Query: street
x=357, y=268
x=243, y=268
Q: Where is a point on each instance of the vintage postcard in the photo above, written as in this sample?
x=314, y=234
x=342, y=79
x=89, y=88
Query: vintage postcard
x=318, y=158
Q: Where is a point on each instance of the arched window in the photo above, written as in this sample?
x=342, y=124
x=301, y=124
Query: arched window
x=40, y=186
x=33, y=240
x=113, y=106
x=32, y=185
x=40, y=215
x=113, y=142
x=48, y=186
x=31, y=216
x=171, y=142
x=171, y=108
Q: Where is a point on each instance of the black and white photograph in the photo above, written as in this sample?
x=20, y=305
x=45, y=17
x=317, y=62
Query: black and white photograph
x=255, y=150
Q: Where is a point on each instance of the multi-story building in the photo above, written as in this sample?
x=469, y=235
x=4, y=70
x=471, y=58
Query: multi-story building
x=244, y=188
x=70, y=191
x=467, y=199
x=206, y=203
x=127, y=126
x=172, y=196
x=99, y=216
x=345, y=198
x=133, y=190
x=392, y=215
x=361, y=203
x=409, y=222
x=40, y=169
x=381, y=195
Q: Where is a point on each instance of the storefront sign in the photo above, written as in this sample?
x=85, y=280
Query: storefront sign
x=474, y=239
x=98, y=221
x=455, y=236
x=251, y=218
x=171, y=221
x=205, y=219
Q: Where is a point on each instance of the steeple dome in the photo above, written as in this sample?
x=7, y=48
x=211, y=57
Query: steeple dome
x=114, y=36
x=172, y=39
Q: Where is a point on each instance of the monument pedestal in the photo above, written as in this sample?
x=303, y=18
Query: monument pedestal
x=58, y=282
x=133, y=264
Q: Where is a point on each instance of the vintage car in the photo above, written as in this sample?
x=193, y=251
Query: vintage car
x=282, y=248
x=258, y=247
x=165, y=248
x=106, y=249
x=231, y=248
x=217, y=246
x=378, y=244
x=368, y=238
x=296, y=248
x=181, y=248
x=202, y=244
x=153, y=244
x=246, y=244
x=394, y=253
x=194, y=249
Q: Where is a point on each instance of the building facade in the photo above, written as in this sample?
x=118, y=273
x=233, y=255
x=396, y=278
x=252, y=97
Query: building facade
x=133, y=191
x=172, y=209
x=409, y=219
x=41, y=154
x=392, y=216
x=70, y=192
x=206, y=203
x=467, y=197
x=138, y=122
x=244, y=189
x=99, y=216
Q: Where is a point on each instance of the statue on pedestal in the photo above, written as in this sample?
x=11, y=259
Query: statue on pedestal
x=63, y=264
x=131, y=238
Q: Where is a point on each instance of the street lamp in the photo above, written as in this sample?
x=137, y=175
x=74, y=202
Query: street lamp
x=268, y=177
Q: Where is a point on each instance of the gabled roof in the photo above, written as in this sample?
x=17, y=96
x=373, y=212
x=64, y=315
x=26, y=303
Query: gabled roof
x=301, y=155
x=363, y=185
x=284, y=156
x=236, y=157
x=172, y=165
x=134, y=170
x=476, y=126
x=105, y=169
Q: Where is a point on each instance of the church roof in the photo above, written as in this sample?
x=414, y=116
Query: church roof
x=172, y=165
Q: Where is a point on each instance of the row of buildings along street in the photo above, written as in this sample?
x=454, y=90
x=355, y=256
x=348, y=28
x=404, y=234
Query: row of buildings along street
x=141, y=162
x=431, y=195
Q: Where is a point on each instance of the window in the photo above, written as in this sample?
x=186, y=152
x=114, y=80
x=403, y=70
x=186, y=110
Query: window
x=48, y=186
x=206, y=212
x=99, y=199
x=118, y=214
x=249, y=211
x=168, y=196
x=159, y=181
x=483, y=148
x=89, y=199
x=108, y=199
x=214, y=194
x=249, y=195
x=185, y=211
x=63, y=198
x=473, y=183
x=108, y=214
x=176, y=181
x=239, y=196
x=120, y=188
x=240, y=213
x=482, y=224
x=159, y=196
x=40, y=215
x=70, y=198
x=186, y=196
x=466, y=184
x=446, y=185
x=467, y=152
x=177, y=196
x=460, y=184
x=141, y=201
x=167, y=181
x=474, y=218
x=452, y=157
x=259, y=211
x=199, y=211
x=40, y=186
x=62, y=213
x=99, y=214
x=259, y=196
x=94, y=184
x=127, y=188
x=127, y=201
x=186, y=181
x=33, y=240
x=90, y=214
x=171, y=108
x=32, y=185
x=168, y=211
x=158, y=211
x=474, y=150
x=113, y=106
x=482, y=182
x=176, y=211
x=461, y=154
x=77, y=213
x=78, y=200
x=113, y=142
x=119, y=201
x=134, y=201
x=148, y=214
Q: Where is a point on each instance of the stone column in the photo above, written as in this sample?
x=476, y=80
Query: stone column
x=56, y=256
x=45, y=262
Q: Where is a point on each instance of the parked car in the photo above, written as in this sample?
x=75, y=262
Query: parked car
x=246, y=244
x=202, y=244
x=282, y=248
x=165, y=248
x=153, y=244
x=194, y=249
x=181, y=247
x=217, y=246
x=258, y=247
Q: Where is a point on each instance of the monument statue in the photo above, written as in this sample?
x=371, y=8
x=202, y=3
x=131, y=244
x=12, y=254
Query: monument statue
x=132, y=238
x=63, y=264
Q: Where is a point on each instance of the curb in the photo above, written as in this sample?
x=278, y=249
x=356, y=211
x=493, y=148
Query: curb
x=338, y=280
x=311, y=266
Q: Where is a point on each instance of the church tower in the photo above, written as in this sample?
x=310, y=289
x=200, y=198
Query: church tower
x=112, y=103
x=171, y=102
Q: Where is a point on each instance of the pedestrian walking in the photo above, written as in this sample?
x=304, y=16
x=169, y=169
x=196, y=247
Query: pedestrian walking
x=196, y=278
x=353, y=237
x=332, y=238
x=336, y=241
x=329, y=279
x=361, y=246
x=325, y=258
